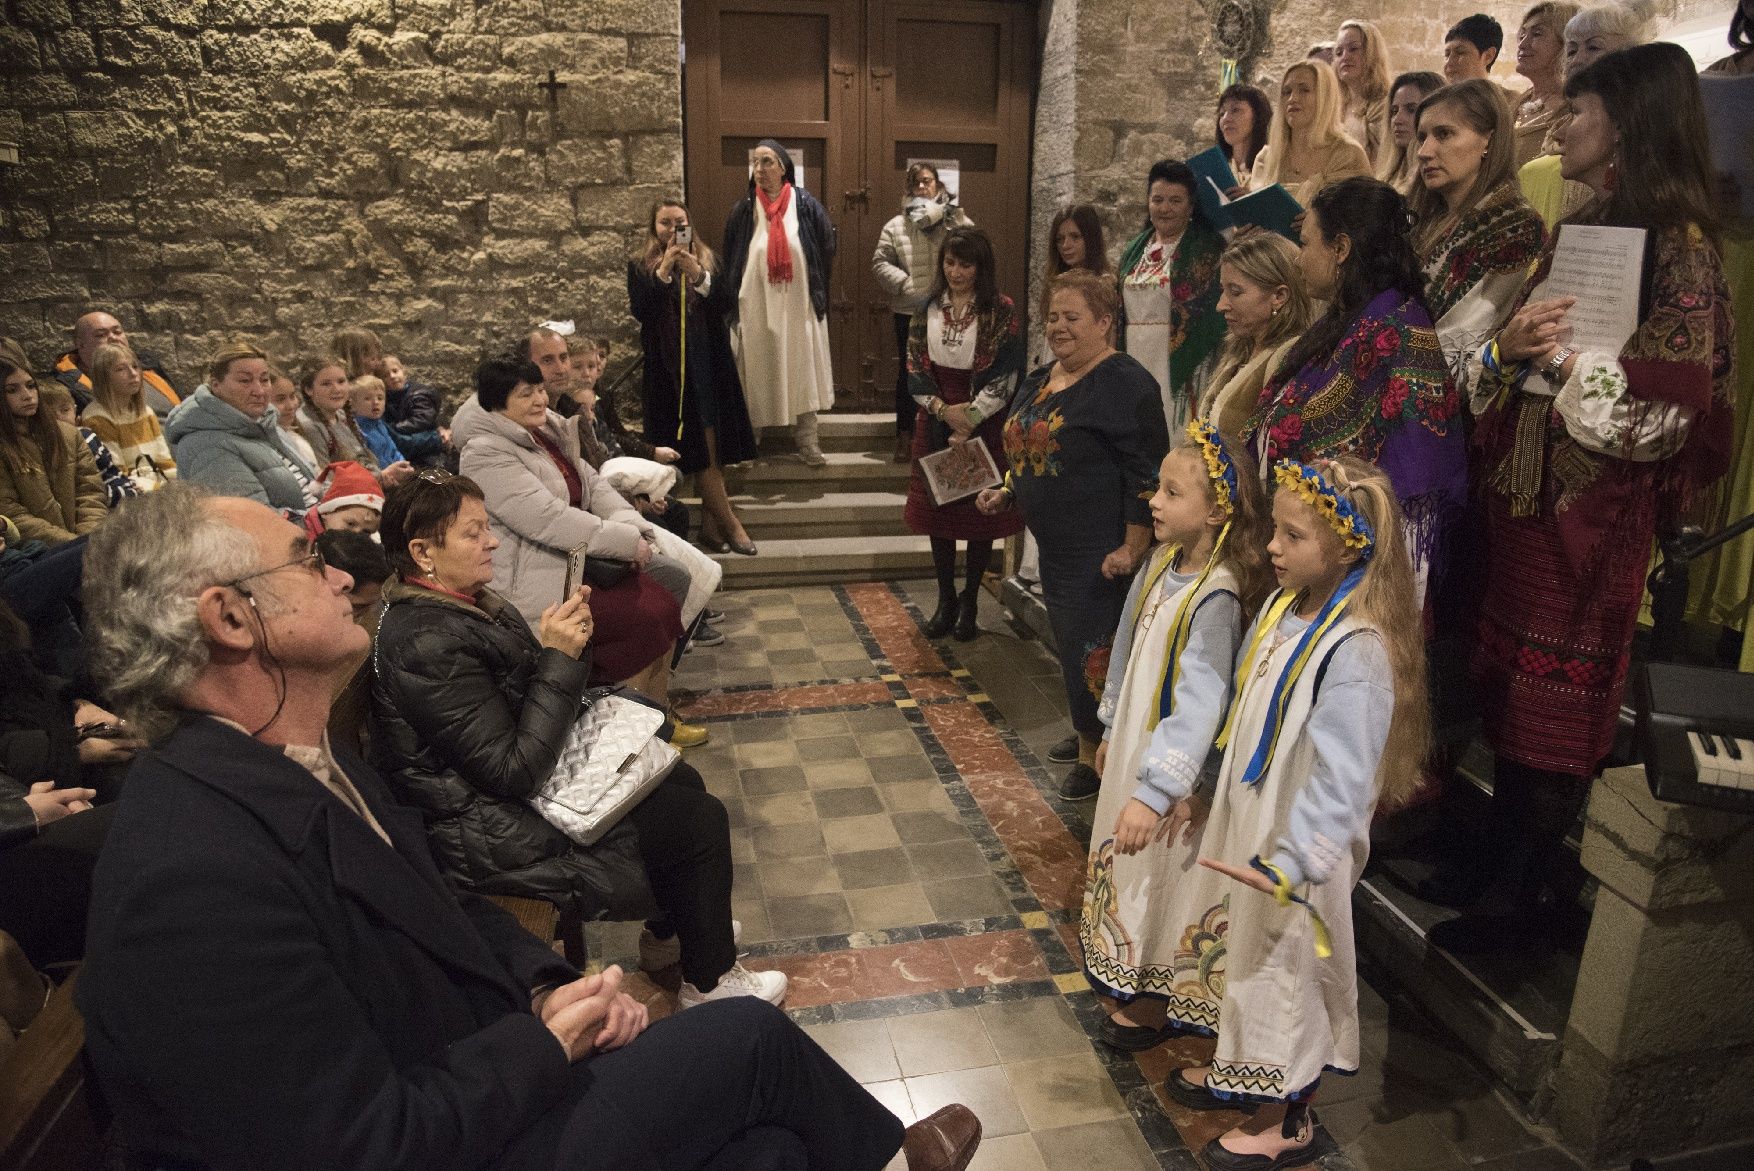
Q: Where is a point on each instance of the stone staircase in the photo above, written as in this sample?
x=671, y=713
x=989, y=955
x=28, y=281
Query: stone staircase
x=838, y=523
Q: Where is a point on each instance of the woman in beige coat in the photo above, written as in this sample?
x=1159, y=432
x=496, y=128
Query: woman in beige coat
x=49, y=486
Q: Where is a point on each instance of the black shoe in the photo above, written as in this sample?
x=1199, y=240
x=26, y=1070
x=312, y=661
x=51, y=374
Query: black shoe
x=746, y=548
x=1195, y=1095
x=968, y=619
x=1131, y=1038
x=939, y=624
x=711, y=616
x=1451, y=887
x=1218, y=1157
x=712, y=544
x=705, y=635
x=1066, y=751
x=1081, y=784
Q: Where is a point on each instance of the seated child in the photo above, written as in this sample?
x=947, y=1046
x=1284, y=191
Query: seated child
x=351, y=500
x=413, y=410
x=360, y=557
x=632, y=465
x=57, y=400
x=366, y=395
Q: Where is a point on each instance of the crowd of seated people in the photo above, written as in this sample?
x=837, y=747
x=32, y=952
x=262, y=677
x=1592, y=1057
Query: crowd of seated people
x=306, y=569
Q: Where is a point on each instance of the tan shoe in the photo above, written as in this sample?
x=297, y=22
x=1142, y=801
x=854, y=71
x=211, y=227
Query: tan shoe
x=944, y=1141
x=689, y=735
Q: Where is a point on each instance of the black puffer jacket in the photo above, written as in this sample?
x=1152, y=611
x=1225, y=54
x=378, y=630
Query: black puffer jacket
x=469, y=714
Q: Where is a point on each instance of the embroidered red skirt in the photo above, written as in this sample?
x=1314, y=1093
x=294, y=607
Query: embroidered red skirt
x=1550, y=661
x=959, y=520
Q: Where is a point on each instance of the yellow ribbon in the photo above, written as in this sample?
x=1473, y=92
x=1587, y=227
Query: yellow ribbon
x=1283, y=894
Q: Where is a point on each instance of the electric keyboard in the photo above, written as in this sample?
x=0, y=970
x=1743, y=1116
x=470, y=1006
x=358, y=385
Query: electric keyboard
x=1696, y=732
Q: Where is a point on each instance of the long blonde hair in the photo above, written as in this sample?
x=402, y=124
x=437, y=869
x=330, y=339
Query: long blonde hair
x=1386, y=600
x=1251, y=524
x=654, y=250
x=1484, y=111
x=1375, y=82
x=1266, y=260
x=1324, y=127
x=103, y=369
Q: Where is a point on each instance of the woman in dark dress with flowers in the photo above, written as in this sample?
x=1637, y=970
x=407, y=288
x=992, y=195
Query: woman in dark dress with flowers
x=964, y=356
x=1082, y=445
x=1368, y=378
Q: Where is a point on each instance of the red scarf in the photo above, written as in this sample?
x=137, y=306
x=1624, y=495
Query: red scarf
x=779, y=252
x=575, y=488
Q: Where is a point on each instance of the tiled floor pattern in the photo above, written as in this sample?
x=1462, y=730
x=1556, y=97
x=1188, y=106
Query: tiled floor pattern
x=900, y=856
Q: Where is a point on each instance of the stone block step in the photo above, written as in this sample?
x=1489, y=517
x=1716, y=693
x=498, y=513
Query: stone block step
x=838, y=432
x=810, y=513
x=844, y=471
x=793, y=561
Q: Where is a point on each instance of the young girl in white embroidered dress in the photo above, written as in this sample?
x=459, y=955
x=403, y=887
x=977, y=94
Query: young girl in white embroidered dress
x=1169, y=683
x=1328, y=720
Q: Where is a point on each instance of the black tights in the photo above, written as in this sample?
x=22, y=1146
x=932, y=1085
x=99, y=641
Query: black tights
x=1531, y=810
x=944, y=561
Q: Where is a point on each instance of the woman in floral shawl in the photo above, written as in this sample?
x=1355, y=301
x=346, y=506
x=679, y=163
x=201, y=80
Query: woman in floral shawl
x=1169, y=287
x=964, y=357
x=1368, y=378
x=1583, y=459
x=1473, y=232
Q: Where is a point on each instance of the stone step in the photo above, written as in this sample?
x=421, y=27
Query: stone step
x=838, y=560
x=849, y=432
x=844, y=471
x=804, y=512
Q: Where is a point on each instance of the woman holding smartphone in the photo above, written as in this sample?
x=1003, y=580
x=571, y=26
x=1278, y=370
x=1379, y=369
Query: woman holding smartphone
x=706, y=420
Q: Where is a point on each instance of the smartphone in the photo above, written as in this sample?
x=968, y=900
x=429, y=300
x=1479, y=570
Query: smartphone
x=102, y=731
x=575, y=572
x=684, y=236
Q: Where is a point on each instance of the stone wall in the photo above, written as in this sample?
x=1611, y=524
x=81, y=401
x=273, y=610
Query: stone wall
x=1124, y=84
x=281, y=168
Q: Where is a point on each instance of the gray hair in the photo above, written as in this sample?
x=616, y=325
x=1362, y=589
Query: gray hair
x=1633, y=20
x=144, y=568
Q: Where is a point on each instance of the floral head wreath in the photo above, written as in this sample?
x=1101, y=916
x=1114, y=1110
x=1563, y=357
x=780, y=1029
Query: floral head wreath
x=1340, y=513
x=1219, y=467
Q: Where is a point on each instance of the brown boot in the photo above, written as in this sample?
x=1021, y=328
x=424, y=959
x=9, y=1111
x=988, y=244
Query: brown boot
x=945, y=1141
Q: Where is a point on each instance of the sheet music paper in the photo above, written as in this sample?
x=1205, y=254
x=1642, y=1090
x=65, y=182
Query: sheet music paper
x=959, y=471
x=1602, y=268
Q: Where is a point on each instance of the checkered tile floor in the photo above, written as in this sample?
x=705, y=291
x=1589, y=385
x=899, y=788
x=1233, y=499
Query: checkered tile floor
x=900, y=855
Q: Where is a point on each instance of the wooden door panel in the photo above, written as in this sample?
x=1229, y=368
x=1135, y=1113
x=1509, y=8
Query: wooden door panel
x=781, y=69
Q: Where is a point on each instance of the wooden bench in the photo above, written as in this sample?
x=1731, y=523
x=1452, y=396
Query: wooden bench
x=46, y=1117
x=546, y=921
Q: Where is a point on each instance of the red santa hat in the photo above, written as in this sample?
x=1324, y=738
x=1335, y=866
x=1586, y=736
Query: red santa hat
x=349, y=484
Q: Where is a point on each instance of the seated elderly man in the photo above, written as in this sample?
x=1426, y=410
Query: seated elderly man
x=278, y=977
x=96, y=329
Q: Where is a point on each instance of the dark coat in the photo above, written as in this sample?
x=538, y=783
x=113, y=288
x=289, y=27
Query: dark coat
x=815, y=231
x=712, y=370
x=269, y=985
x=413, y=413
x=469, y=714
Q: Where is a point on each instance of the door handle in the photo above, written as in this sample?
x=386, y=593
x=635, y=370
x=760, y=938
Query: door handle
x=862, y=197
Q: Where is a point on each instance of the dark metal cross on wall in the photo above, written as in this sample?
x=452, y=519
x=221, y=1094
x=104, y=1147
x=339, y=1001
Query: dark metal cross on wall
x=553, y=89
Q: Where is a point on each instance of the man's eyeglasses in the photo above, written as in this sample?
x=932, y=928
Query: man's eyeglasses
x=312, y=561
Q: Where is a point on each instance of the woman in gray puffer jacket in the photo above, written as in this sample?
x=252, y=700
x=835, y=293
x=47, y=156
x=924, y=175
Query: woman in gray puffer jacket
x=905, y=263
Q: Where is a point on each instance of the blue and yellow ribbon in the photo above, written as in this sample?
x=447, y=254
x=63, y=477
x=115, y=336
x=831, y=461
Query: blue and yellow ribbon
x=1328, y=615
x=1282, y=892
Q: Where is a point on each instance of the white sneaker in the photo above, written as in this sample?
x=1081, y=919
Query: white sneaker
x=739, y=981
x=657, y=954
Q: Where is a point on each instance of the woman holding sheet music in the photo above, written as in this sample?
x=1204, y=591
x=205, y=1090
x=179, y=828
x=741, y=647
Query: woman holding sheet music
x=964, y=357
x=1584, y=457
x=1169, y=287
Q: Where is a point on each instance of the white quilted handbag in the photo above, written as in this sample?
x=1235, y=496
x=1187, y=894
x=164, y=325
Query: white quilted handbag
x=611, y=760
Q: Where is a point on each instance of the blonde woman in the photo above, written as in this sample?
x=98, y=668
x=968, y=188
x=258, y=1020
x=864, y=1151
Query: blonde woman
x=1540, y=57
x=1265, y=309
x=118, y=415
x=1306, y=148
x=1361, y=62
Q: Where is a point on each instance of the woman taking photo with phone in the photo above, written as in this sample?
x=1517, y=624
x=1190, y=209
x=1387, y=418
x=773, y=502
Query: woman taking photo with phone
x=707, y=420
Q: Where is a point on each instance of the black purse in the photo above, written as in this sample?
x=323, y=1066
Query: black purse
x=605, y=573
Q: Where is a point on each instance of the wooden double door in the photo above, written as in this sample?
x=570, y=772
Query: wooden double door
x=856, y=90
